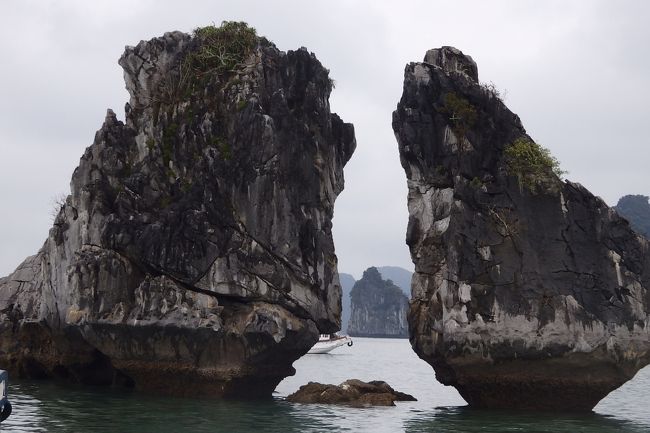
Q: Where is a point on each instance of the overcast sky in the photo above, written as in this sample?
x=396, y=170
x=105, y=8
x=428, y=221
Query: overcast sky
x=576, y=72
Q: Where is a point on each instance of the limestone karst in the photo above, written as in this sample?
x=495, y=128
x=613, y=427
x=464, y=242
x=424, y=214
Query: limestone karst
x=529, y=291
x=399, y=276
x=378, y=307
x=194, y=254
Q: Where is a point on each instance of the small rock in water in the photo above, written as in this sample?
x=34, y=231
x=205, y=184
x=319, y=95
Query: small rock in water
x=352, y=392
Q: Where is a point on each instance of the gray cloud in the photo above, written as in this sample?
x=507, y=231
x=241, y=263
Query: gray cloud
x=575, y=72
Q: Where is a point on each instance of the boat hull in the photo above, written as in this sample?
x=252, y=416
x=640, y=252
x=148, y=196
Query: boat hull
x=326, y=346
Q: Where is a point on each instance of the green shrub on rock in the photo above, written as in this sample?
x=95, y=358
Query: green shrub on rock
x=533, y=165
x=221, y=49
x=462, y=114
x=217, y=51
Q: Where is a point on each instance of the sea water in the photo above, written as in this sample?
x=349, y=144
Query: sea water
x=41, y=406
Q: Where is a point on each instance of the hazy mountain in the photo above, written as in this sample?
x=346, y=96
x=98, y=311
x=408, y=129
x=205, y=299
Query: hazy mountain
x=378, y=307
x=636, y=209
x=347, y=282
x=400, y=276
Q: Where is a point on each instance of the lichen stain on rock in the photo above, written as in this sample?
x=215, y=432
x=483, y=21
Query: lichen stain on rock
x=523, y=297
x=194, y=254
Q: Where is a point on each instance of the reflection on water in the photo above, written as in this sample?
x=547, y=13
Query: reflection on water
x=50, y=407
x=465, y=420
x=46, y=407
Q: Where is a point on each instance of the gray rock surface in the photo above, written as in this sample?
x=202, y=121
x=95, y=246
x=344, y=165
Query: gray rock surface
x=521, y=298
x=378, y=308
x=194, y=254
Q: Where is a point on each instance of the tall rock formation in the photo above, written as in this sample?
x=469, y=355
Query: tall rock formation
x=194, y=254
x=378, y=306
x=528, y=292
x=400, y=277
x=636, y=209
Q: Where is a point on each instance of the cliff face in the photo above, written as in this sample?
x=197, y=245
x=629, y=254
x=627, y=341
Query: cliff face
x=636, y=209
x=194, y=254
x=378, y=307
x=529, y=292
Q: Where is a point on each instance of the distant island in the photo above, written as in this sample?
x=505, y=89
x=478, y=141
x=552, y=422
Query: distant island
x=378, y=308
x=400, y=277
x=636, y=209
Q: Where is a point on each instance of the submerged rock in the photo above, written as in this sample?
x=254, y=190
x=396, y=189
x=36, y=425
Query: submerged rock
x=378, y=308
x=352, y=392
x=529, y=292
x=194, y=254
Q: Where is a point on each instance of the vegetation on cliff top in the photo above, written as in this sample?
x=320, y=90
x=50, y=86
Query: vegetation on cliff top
x=207, y=64
x=533, y=165
x=221, y=49
x=217, y=51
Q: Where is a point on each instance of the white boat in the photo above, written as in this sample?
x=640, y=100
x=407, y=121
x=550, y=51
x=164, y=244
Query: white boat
x=329, y=342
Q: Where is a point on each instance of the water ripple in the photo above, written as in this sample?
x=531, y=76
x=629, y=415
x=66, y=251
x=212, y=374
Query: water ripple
x=49, y=407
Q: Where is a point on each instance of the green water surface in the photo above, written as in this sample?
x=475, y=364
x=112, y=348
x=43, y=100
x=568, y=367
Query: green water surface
x=49, y=407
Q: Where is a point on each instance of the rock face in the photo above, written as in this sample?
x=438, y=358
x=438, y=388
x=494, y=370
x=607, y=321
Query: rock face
x=352, y=392
x=636, y=209
x=194, y=254
x=529, y=292
x=379, y=308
